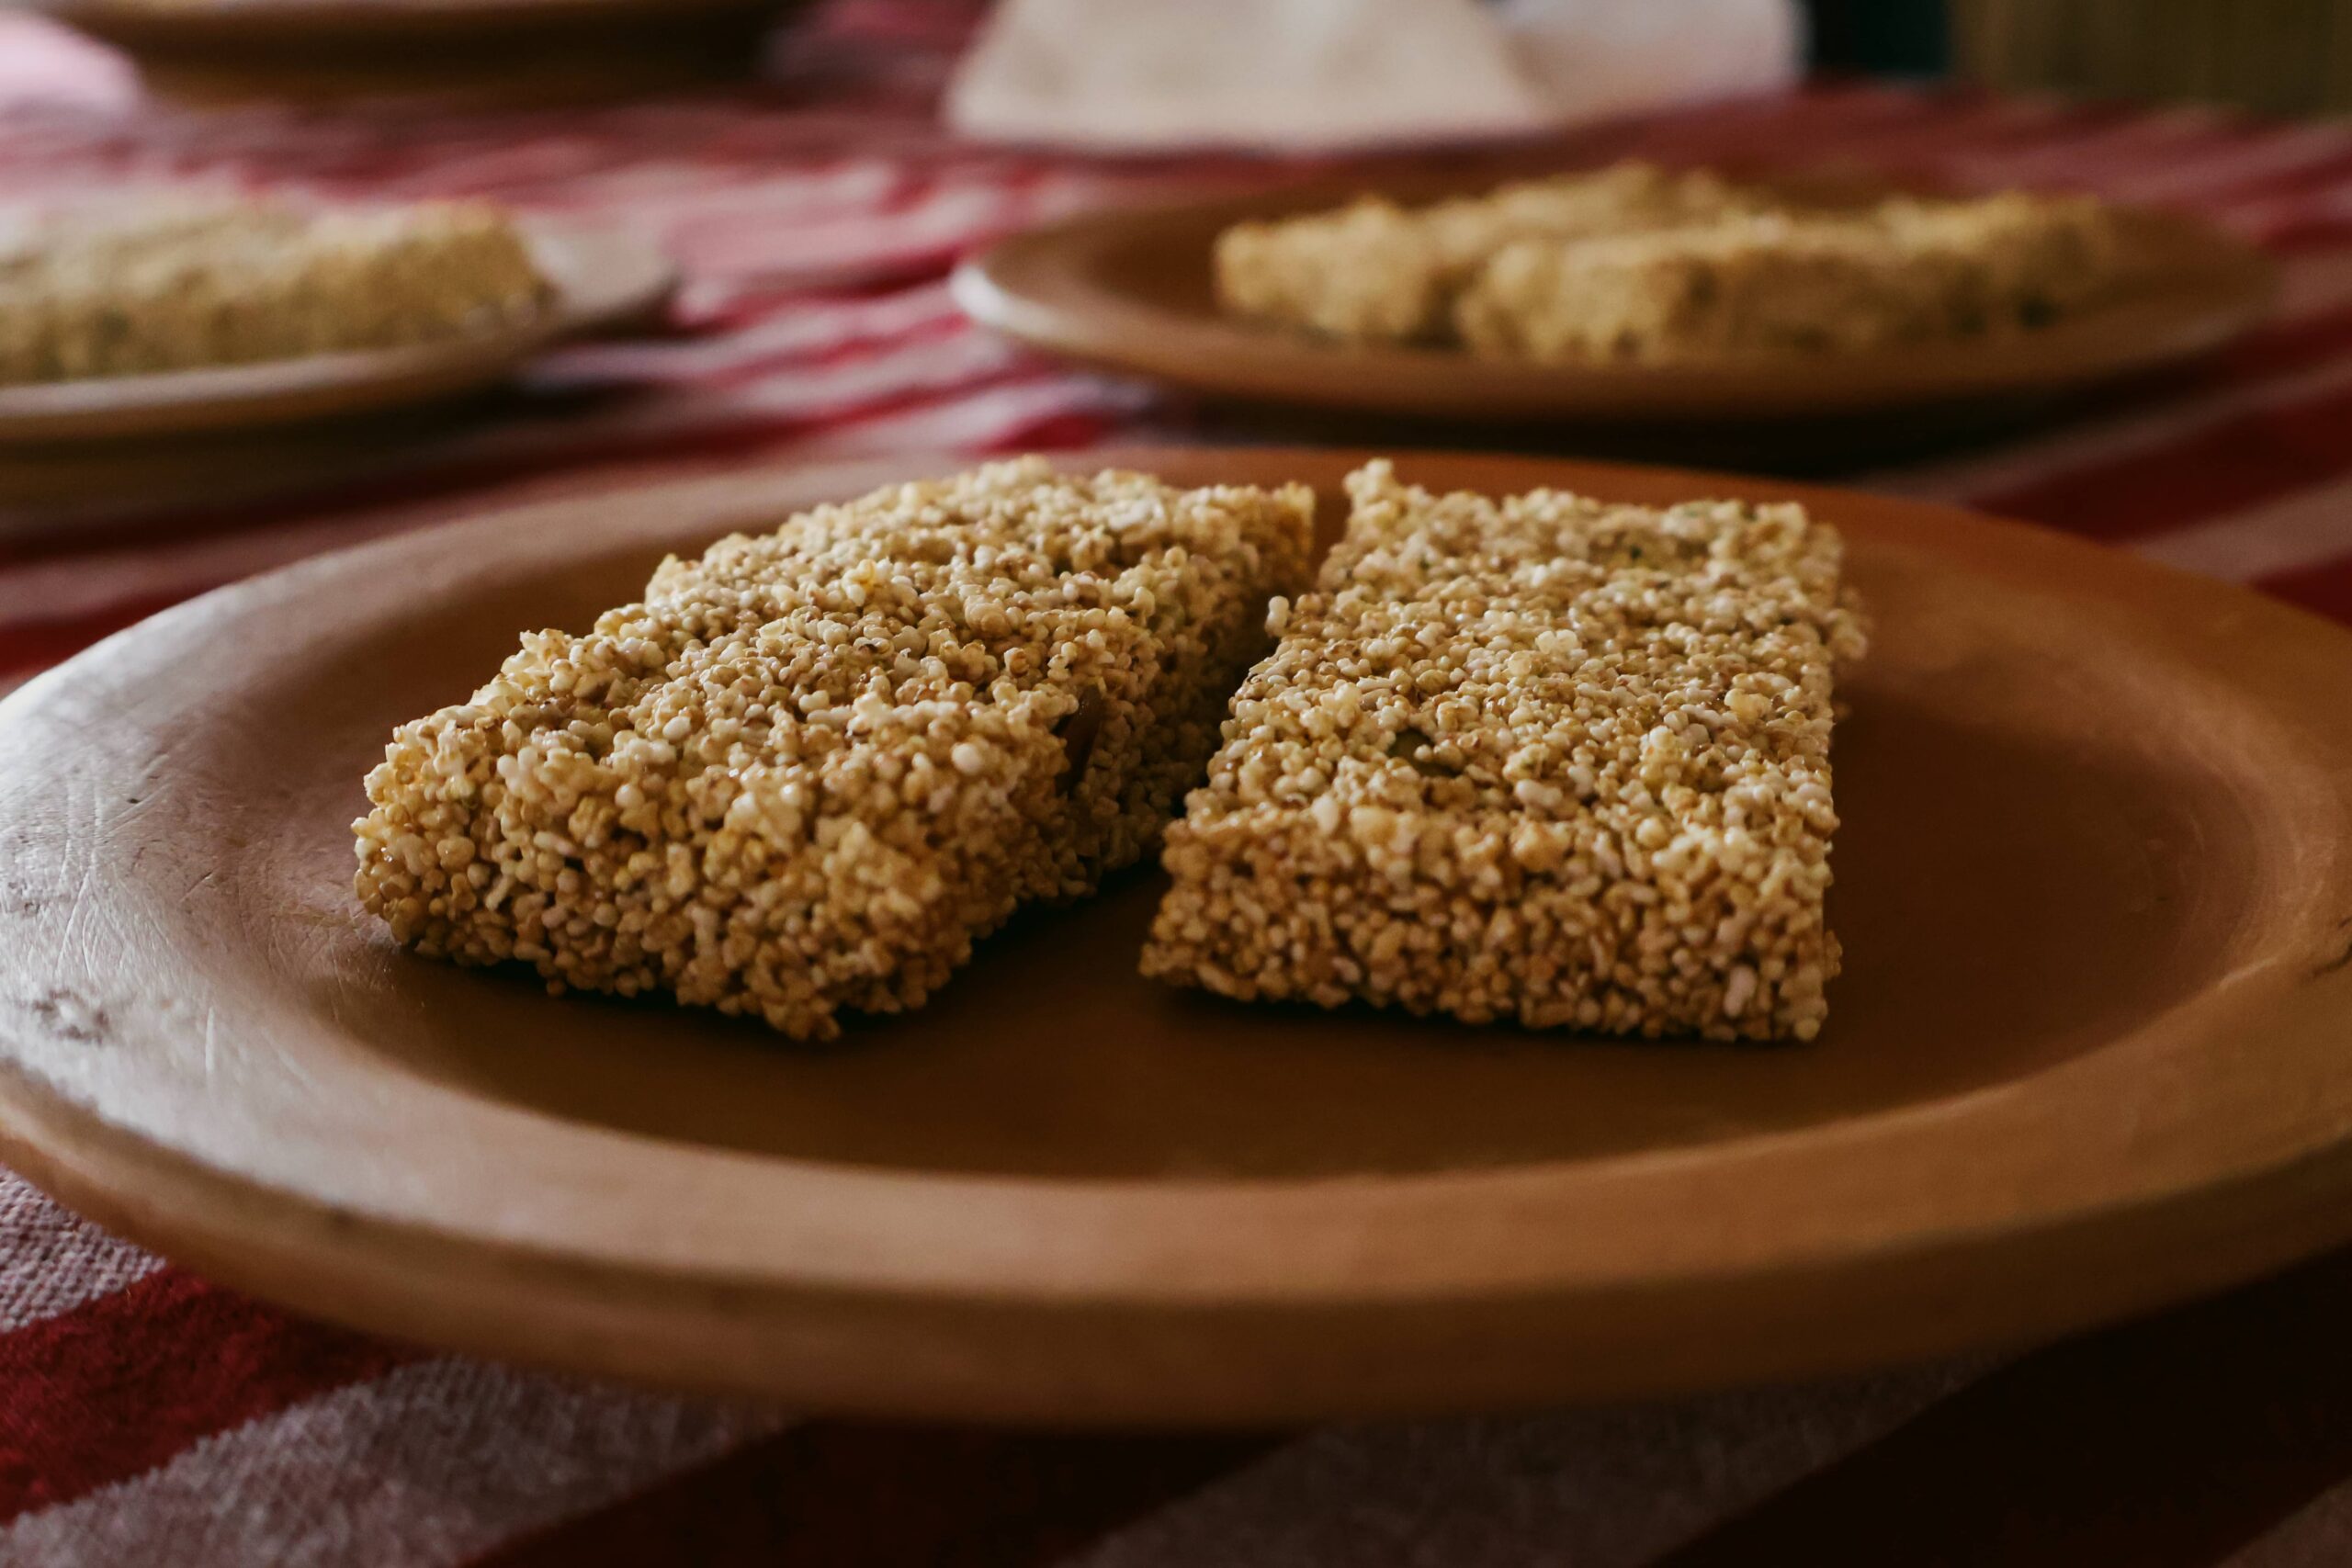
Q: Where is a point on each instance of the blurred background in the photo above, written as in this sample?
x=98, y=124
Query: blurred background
x=2284, y=56
x=2281, y=56
x=811, y=162
x=2289, y=56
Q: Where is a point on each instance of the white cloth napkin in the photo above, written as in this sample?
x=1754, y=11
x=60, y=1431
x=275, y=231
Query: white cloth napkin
x=1596, y=58
x=1154, y=75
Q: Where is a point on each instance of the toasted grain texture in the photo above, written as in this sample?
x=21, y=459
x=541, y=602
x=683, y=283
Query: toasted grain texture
x=110, y=291
x=1376, y=271
x=1545, y=759
x=1794, y=286
x=809, y=770
x=1634, y=264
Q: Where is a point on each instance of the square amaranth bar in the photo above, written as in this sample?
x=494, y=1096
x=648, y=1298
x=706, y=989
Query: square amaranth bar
x=806, y=771
x=108, y=291
x=1373, y=270
x=1545, y=759
x=1795, y=284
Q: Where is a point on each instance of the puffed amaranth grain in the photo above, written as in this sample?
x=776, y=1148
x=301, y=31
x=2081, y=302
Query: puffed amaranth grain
x=1792, y=285
x=809, y=770
x=1548, y=760
x=1373, y=271
x=124, y=289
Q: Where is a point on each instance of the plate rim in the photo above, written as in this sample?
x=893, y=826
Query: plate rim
x=45, y=1134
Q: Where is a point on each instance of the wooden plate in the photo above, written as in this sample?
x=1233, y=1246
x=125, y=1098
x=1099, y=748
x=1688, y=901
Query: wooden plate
x=602, y=278
x=1132, y=290
x=2088, y=1053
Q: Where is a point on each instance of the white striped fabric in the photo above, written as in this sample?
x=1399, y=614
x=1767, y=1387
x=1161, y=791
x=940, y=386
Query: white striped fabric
x=429, y=1464
x=2317, y=1535
x=1607, y=1488
x=52, y=1262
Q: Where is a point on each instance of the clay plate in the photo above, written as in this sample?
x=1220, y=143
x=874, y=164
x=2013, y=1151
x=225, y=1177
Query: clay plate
x=602, y=277
x=2087, y=1054
x=1132, y=290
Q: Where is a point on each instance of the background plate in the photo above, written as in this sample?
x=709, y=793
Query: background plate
x=2088, y=1053
x=602, y=278
x=1132, y=290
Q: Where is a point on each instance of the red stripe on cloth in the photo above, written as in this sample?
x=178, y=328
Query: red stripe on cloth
x=2319, y=227
x=2291, y=184
x=2246, y=158
x=2237, y=462
x=123, y=1382
x=890, y=1497
x=2325, y=589
x=1839, y=120
x=2091, y=153
x=1055, y=433
x=36, y=645
x=2297, y=227
x=940, y=23
x=2308, y=341
x=737, y=431
x=1934, y=128
x=2271, y=355
x=52, y=607
x=757, y=409
x=2166, y=1443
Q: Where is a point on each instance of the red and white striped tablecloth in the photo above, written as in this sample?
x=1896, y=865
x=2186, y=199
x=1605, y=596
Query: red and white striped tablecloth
x=149, y=1417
